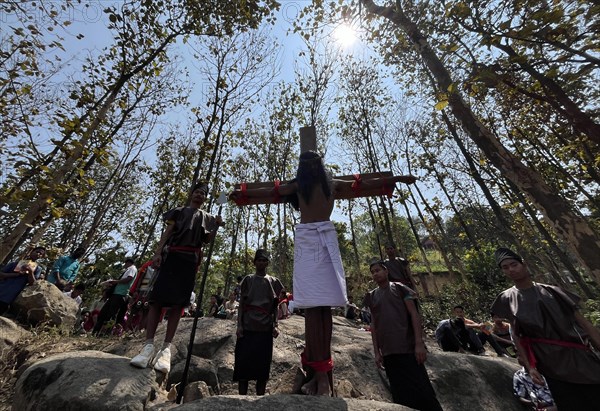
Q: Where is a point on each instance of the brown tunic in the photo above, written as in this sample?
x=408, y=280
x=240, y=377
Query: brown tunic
x=258, y=299
x=192, y=226
x=397, y=271
x=394, y=331
x=546, y=311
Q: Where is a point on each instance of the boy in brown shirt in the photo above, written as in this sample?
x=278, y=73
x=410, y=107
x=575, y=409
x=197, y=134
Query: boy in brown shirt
x=398, y=342
x=257, y=326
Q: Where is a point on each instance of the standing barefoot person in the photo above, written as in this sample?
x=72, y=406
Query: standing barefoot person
x=319, y=280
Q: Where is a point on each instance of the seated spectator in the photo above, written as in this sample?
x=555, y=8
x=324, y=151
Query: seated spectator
x=87, y=321
x=501, y=333
x=231, y=306
x=76, y=293
x=80, y=324
x=282, y=307
x=215, y=308
x=351, y=309
x=365, y=315
x=66, y=268
x=18, y=274
x=479, y=333
x=452, y=335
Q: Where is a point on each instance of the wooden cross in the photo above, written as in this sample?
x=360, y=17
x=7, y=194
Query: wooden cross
x=308, y=141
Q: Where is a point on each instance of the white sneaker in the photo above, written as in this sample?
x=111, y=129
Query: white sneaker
x=144, y=357
x=162, y=361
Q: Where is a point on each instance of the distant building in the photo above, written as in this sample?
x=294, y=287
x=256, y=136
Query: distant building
x=428, y=244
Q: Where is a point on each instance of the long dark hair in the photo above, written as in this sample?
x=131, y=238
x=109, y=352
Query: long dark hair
x=311, y=171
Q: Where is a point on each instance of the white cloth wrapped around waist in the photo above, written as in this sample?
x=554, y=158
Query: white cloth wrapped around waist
x=319, y=278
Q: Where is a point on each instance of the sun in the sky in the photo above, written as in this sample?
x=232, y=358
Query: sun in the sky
x=345, y=35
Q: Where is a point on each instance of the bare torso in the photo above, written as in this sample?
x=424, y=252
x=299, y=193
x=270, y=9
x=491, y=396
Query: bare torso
x=319, y=208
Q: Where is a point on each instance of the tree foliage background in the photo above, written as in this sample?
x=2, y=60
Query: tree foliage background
x=494, y=105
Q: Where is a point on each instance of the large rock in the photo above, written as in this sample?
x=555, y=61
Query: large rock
x=85, y=380
x=42, y=302
x=288, y=403
x=461, y=381
x=10, y=334
x=200, y=369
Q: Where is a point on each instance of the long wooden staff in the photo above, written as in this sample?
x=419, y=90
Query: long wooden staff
x=221, y=200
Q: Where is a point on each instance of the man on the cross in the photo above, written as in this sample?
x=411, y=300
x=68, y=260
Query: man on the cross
x=319, y=281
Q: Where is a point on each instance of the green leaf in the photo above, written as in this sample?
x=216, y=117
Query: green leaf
x=441, y=105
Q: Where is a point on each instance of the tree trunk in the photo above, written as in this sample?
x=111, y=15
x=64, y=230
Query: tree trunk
x=574, y=230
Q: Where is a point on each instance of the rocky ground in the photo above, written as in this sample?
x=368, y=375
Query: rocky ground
x=42, y=369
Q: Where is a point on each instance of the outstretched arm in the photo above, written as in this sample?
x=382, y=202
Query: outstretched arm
x=263, y=192
x=347, y=187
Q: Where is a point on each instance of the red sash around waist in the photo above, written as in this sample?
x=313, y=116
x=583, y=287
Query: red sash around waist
x=526, y=343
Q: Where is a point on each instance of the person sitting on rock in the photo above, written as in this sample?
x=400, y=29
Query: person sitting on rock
x=451, y=335
x=231, y=307
x=501, y=333
x=351, y=309
x=66, y=268
x=479, y=333
x=16, y=275
x=215, y=307
x=76, y=292
x=256, y=326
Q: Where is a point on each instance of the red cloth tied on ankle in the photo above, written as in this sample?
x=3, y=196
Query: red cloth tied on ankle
x=277, y=197
x=356, y=185
x=317, y=366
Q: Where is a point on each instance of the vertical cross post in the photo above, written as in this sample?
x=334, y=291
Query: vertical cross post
x=308, y=139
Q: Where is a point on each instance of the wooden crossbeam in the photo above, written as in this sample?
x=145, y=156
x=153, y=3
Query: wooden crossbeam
x=356, y=192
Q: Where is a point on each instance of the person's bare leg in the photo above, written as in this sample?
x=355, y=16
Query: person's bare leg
x=152, y=320
x=318, y=328
x=261, y=387
x=172, y=323
x=243, y=387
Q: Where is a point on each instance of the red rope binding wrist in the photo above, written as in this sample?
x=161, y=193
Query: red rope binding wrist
x=317, y=366
x=277, y=197
x=356, y=185
x=387, y=189
x=243, y=197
